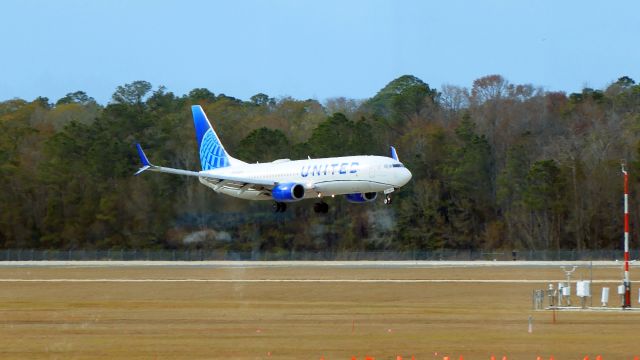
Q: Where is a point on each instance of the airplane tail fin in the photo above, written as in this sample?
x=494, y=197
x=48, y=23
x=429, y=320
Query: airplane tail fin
x=212, y=152
x=143, y=159
x=394, y=154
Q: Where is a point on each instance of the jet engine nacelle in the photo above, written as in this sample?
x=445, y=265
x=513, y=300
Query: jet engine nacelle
x=287, y=192
x=362, y=197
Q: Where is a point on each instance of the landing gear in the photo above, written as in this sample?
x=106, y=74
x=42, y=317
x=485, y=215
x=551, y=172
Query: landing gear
x=279, y=207
x=387, y=196
x=321, y=207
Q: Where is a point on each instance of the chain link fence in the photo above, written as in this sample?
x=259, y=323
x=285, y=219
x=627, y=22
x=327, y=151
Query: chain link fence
x=201, y=255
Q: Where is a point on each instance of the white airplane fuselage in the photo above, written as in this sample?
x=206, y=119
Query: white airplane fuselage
x=320, y=177
x=360, y=178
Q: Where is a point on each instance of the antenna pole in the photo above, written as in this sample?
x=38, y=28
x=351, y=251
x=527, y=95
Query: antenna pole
x=626, y=281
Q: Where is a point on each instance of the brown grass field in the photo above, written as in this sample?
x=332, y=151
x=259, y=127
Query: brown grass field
x=302, y=320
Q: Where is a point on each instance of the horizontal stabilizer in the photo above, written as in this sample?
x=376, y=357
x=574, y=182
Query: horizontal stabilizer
x=141, y=170
x=246, y=182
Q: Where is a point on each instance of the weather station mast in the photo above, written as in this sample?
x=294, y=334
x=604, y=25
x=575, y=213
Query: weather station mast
x=626, y=282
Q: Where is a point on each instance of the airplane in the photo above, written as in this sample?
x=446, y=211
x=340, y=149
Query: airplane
x=359, y=178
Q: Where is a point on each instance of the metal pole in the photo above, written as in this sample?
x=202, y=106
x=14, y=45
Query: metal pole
x=626, y=281
x=591, y=278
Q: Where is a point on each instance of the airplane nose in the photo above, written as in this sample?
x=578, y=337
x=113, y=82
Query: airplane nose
x=405, y=176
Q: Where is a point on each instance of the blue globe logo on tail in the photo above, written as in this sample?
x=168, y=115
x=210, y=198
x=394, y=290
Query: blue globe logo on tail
x=212, y=155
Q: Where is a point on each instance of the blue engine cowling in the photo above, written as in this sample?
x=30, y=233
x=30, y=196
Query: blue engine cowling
x=287, y=192
x=362, y=197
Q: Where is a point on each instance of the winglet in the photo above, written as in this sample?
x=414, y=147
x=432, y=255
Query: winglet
x=394, y=154
x=143, y=158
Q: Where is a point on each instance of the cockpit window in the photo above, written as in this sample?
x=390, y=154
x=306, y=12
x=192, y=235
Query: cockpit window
x=389, y=166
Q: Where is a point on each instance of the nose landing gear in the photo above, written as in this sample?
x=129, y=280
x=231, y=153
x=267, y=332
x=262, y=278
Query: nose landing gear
x=387, y=195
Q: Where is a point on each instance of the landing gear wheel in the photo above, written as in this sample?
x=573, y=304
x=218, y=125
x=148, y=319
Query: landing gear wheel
x=321, y=207
x=279, y=207
x=387, y=199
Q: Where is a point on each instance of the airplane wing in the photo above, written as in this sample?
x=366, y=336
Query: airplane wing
x=217, y=179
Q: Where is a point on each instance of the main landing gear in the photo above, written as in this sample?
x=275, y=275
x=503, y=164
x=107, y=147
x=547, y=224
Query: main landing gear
x=279, y=207
x=321, y=207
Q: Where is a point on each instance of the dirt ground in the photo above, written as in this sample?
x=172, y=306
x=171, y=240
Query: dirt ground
x=302, y=320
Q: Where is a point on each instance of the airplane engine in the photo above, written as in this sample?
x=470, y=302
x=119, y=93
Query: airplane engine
x=287, y=192
x=362, y=197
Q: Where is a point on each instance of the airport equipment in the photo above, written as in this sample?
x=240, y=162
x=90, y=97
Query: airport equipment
x=568, y=272
x=621, y=292
x=604, y=299
x=566, y=294
x=583, y=290
x=562, y=293
x=626, y=282
x=538, y=299
x=551, y=293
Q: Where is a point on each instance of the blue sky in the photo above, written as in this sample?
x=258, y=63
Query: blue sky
x=310, y=49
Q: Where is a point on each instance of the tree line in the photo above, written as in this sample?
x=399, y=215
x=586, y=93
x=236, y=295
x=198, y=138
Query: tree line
x=495, y=166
